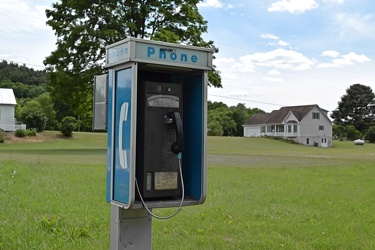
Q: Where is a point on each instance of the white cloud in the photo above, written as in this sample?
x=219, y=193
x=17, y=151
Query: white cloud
x=278, y=59
x=356, y=58
x=274, y=72
x=211, y=4
x=335, y=1
x=351, y=25
x=282, y=43
x=229, y=68
x=293, y=6
x=216, y=4
x=344, y=60
x=273, y=37
x=269, y=36
x=272, y=79
x=330, y=53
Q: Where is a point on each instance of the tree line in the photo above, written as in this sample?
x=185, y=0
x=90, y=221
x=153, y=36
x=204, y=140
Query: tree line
x=36, y=108
x=353, y=118
x=227, y=121
x=21, y=73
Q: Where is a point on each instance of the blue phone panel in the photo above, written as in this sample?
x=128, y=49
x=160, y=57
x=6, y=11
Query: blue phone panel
x=122, y=135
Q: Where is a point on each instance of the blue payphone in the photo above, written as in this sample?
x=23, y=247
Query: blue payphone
x=156, y=122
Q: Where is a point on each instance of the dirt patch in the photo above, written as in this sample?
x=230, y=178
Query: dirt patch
x=40, y=137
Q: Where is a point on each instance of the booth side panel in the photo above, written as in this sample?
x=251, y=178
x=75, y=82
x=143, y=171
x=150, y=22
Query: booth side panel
x=193, y=156
x=122, y=135
x=109, y=137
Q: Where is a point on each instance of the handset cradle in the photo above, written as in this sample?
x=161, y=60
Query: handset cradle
x=123, y=118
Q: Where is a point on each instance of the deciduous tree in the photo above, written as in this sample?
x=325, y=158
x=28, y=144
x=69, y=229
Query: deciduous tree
x=83, y=29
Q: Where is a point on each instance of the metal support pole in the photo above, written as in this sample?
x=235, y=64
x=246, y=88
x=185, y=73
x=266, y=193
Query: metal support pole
x=130, y=229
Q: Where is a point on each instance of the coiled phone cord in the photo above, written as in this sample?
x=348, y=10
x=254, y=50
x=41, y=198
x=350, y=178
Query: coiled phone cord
x=179, y=156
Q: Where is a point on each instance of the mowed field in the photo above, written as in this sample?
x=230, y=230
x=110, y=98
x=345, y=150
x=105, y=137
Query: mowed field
x=262, y=194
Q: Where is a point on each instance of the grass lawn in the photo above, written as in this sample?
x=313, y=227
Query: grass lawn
x=262, y=194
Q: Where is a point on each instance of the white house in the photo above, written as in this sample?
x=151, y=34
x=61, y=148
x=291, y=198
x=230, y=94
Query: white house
x=308, y=125
x=7, y=106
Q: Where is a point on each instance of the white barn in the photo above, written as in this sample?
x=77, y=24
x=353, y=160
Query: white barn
x=7, y=107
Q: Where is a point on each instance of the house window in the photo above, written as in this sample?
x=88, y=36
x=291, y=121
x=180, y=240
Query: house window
x=324, y=140
x=263, y=130
x=295, y=128
x=289, y=128
x=307, y=141
x=315, y=115
x=321, y=127
x=279, y=128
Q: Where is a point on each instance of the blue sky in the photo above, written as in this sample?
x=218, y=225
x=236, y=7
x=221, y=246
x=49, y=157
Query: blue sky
x=273, y=53
x=291, y=52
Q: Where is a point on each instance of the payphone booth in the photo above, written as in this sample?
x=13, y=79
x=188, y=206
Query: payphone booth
x=157, y=97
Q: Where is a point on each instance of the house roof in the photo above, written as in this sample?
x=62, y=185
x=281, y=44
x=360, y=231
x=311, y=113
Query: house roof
x=7, y=97
x=278, y=116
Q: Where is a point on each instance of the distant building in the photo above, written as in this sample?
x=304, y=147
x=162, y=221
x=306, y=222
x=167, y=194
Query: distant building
x=7, y=107
x=308, y=125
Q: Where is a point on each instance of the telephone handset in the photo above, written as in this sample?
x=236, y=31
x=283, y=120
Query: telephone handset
x=123, y=118
x=175, y=118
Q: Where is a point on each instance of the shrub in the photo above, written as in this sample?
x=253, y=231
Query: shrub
x=33, y=117
x=30, y=132
x=20, y=133
x=2, y=136
x=338, y=131
x=370, y=136
x=352, y=133
x=23, y=133
x=68, y=125
x=215, y=129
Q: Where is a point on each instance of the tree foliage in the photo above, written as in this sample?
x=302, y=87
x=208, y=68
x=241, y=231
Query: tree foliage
x=370, y=136
x=25, y=82
x=15, y=73
x=355, y=108
x=33, y=116
x=348, y=132
x=228, y=121
x=84, y=28
x=22, y=90
x=338, y=131
x=71, y=97
x=48, y=109
x=223, y=117
x=2, y=136
x=352, y=133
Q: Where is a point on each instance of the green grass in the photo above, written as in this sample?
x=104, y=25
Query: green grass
x=262, y=194
x=52, y=194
